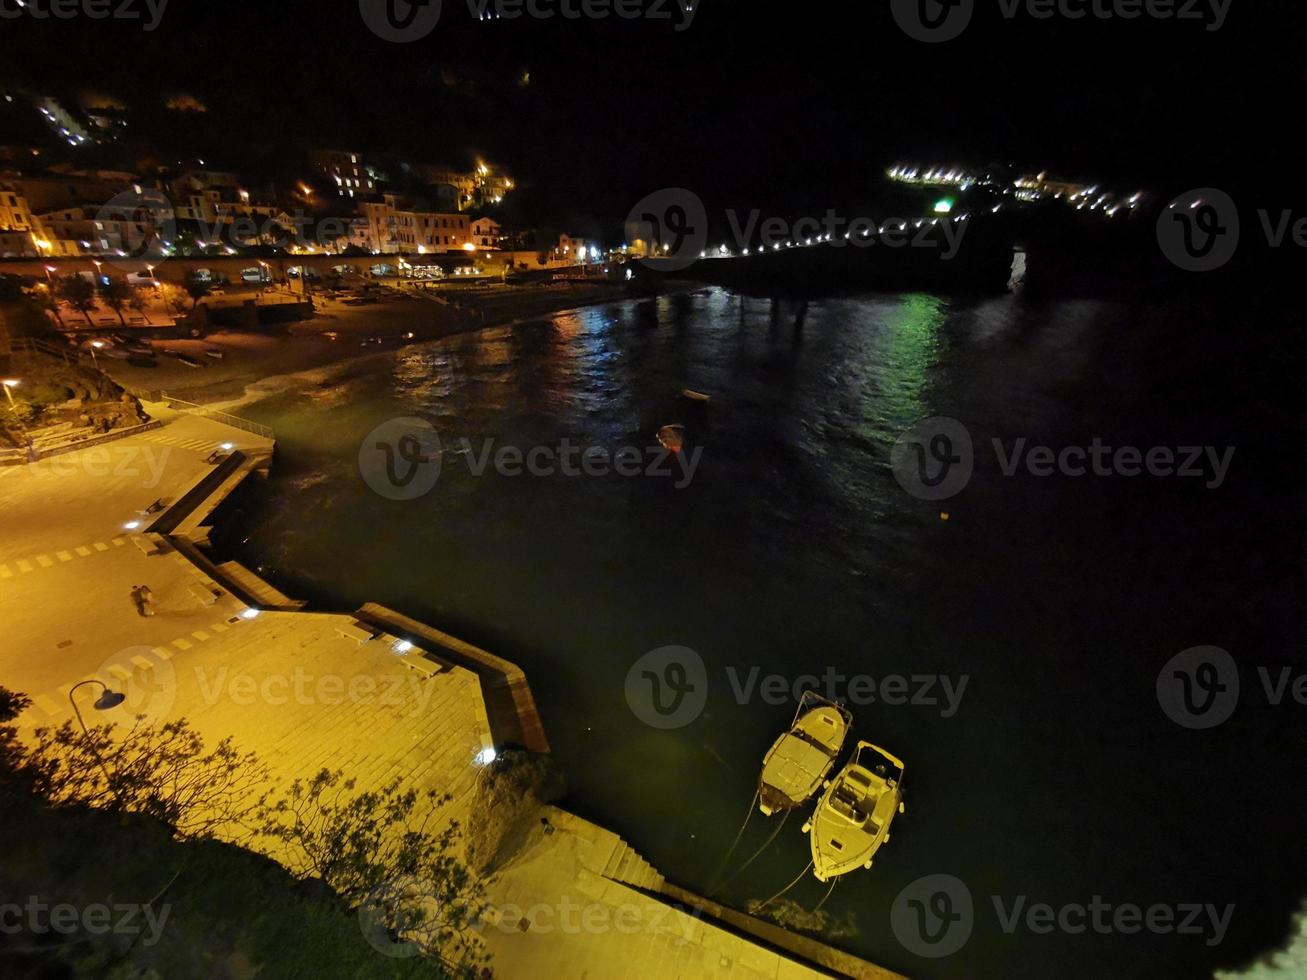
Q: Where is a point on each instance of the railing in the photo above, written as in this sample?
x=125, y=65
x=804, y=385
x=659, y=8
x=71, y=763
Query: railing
x=31, y=346
x=235, y=421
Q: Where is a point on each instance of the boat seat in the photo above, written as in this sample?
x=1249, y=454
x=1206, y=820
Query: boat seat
x=884, y=809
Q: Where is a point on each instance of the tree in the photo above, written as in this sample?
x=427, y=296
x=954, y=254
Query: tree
x=374, y=849
x=175, y=298
x=164, y=772
x=78, y=293
x=196, y=288
x=139, y=301
x=374, y=852
x=48, y=300
x=116, y=294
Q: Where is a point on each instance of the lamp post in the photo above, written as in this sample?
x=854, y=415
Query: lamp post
x=98, y=275
x=107, y=699
x=95, y=346
x=48, y=278
x=7, y=384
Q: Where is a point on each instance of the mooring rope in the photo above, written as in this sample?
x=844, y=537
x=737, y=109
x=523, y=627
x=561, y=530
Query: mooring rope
x=754, y=856
x=796, y=880
x=735, y=843
x=833, y=883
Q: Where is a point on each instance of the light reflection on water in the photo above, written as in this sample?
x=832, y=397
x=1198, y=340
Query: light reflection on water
x=793, y=551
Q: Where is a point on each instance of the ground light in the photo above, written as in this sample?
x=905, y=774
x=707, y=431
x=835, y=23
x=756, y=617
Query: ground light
x=944, y=205
x=486, y=756
x=249, y=614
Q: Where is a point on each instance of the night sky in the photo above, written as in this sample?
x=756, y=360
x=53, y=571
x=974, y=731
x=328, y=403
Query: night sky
x=775, y=105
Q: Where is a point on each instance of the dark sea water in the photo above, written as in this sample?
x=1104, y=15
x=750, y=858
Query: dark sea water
x=794, y=550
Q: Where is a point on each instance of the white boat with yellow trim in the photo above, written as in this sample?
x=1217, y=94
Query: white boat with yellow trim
x=853, y=819
x=798, y=761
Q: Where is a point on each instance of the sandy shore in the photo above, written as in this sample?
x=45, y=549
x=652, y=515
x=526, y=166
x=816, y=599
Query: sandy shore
x=256, y=365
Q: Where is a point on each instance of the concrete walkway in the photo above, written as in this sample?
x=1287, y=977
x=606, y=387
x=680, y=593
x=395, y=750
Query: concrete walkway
x=306, y=691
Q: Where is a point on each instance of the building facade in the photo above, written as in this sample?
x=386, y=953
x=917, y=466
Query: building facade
x=400, y=225
x=345, y=169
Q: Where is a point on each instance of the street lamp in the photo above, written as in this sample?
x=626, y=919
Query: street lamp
x=49, y=269
x=9, y=383
x=98, y=275
x=95, y=346
x=107, y=699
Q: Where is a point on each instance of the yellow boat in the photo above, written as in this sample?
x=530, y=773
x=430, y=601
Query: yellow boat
x=853, y=818
x=798, y=761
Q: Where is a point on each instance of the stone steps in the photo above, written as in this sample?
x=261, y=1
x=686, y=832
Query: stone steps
x=264, y=594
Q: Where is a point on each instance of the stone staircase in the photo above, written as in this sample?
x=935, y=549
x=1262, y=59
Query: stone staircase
x=626, y=866
x=264, y=594
x=606, y=854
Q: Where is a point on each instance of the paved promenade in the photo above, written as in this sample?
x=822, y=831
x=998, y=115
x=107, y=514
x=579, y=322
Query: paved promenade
x=305, y=691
